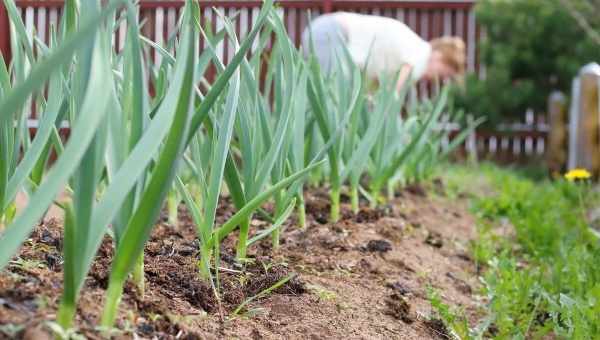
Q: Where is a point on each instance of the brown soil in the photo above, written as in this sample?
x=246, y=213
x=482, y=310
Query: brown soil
x=365, y=277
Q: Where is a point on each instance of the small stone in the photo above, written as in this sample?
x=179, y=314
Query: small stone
x=53, y=261
x=321, y=219
x=186, y=250
x=381, y=246
x=48, y=238
x=145, y=328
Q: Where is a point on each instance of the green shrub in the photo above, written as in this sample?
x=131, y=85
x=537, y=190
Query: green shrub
x=532, y=48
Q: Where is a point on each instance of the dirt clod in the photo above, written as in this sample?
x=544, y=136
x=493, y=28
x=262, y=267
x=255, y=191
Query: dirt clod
x=380, y=246
x=36, y=333
x=366, y=215
x=399, y=308
x=49, y=236
x=268, y=278
x=399, y=287
x=255, y=335
x=434, y=239
x=492, y=331
x=187, y=284
x=146, y=329
x=321, y=218
x=187, y=249
x=416, y=189
x=53, y=261
x=437, y=328
x=319, y=208
x=438, y=186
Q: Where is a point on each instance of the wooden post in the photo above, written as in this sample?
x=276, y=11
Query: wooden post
x=584, y=148
x=557, y=136
x=5, y=35
x=471, y=141
x=590, y=110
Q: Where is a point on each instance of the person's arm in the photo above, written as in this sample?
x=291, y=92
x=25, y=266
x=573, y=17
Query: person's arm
x=403, y=76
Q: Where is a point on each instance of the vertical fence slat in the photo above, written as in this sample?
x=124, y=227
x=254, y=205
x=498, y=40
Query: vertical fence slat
x=29, y=22
x=159, y=16
x=122, y=34
x=41, y=24
x=471, y=42
x=400, y=15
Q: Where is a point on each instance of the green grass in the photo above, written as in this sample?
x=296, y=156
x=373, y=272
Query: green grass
x=541, y=278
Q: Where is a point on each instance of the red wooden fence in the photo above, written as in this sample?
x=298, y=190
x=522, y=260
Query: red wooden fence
x=429, y=19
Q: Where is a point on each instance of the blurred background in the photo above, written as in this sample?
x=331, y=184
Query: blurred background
x=530, y=49
x=526, y=63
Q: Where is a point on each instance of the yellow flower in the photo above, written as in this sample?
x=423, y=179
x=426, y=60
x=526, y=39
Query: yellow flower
x=576, y=174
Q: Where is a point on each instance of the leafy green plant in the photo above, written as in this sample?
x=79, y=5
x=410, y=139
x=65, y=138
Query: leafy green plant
x=246, y=190
x=540, y=280
x=263, y=293
x=138, y=228
x=453, y=319
x=332, y=110
x=263, y=131
x=58, y=175
x=430, y=151
x=402, y=139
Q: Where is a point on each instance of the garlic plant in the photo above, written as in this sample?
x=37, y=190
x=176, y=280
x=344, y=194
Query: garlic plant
x=130, y=149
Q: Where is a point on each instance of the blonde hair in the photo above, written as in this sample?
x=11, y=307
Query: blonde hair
x=453, y=52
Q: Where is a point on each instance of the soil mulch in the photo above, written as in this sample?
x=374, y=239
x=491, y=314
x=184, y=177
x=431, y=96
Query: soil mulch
x=365, y=277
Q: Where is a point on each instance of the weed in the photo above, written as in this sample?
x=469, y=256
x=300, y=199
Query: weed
x=323, y=293
x=11, y=330
x=541, y=278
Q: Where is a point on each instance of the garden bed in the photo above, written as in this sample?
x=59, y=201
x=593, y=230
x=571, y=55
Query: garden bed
x=367, y=276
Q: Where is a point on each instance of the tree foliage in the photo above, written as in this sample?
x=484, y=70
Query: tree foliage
x=532, y=47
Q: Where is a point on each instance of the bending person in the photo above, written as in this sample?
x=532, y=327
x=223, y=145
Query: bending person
x=389, y=45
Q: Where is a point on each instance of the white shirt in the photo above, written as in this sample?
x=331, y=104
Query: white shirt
x=387, y=44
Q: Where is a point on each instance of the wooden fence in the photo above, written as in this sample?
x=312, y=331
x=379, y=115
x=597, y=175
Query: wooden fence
x=516, y=142
x=430, y=19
